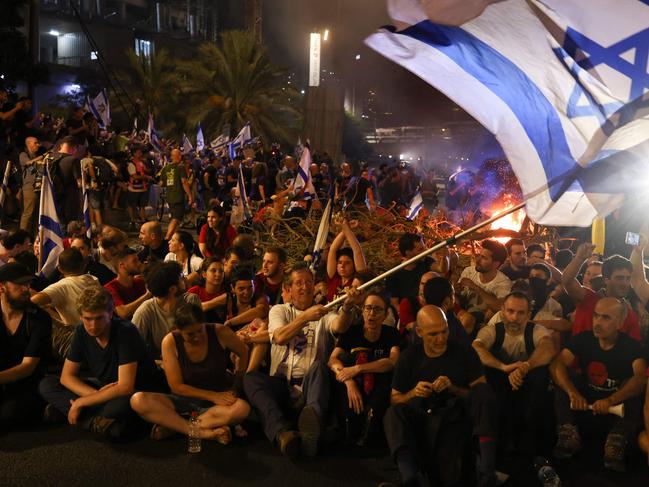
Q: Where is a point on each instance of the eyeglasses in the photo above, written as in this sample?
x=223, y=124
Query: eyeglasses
x=373, y=309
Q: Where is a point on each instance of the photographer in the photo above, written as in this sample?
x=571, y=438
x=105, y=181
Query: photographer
x=31, y=163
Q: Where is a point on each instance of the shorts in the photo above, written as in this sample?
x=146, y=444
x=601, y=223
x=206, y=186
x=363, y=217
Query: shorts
x=185, y=406
x=177, y=211
x=138, y=199
x=96, y=199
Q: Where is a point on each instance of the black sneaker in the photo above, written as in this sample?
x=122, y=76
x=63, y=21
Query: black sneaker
x=614, y=451
x=568, y=442
x=309, y=426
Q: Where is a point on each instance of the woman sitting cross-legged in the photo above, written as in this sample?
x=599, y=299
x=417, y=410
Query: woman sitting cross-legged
x=194, y=357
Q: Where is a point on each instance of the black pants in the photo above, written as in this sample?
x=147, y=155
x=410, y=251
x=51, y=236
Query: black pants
x=524, y=411
x=271, y=397
x=628, y=426
x=409, y=425
x=118, y=408
x=20, y=402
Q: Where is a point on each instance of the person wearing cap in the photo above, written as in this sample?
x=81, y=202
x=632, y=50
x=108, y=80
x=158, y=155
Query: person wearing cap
x=24, y=341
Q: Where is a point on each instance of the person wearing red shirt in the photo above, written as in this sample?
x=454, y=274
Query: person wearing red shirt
x=342, y=263
x=217, y=235
x=128, y=288
x=269, y=280
x=616, y=271
x=213, y=294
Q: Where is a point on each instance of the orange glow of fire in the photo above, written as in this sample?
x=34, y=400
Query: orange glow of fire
x=513, y=221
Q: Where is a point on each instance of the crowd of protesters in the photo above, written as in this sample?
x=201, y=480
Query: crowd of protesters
x=451, y=365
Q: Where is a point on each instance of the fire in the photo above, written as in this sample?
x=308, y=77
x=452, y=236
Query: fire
x=513, y=221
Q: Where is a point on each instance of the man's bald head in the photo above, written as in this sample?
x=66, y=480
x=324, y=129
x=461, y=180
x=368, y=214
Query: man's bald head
x=32, y=144
x=608, y=317
x=432, y=327
x=151, y=234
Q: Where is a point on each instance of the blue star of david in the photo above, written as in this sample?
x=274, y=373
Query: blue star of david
x=610, y=56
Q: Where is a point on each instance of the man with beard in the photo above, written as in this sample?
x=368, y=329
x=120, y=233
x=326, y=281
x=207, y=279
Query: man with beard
x=515, y=353
x=611, y=372
x=269, y=280
x=155, y=317
x=484, y=286
x=616, y=271
x=516, y=266
x=128, y=288
x=24, y=341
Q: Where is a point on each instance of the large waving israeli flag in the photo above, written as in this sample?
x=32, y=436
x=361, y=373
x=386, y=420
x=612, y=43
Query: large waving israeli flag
x=243, y=137
x=303, y=181
x=200, y=140
x=152, y=134
x=100, y=108
x=560, y=83
x=51, y=235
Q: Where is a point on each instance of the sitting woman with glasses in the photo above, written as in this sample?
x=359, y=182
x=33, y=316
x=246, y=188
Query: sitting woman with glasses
x=362, y=362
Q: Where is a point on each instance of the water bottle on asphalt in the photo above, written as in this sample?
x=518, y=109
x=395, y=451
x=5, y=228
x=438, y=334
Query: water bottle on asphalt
x=194, y=445
x=546, y=473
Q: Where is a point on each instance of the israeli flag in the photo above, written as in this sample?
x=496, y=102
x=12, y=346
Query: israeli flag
x=152, y=135
x=322, y=235
x=186, y=146
x=303, y=181
x=100, y=108
x=243, y=196
x=416, y=205
x=220, y=142
x=560, y=83
x=243, y=137
x=200, y=140
x=51, y=235
x=134, y=132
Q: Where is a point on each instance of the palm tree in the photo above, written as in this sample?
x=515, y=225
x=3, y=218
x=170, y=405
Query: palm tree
x=235, y=83
x=152, y=83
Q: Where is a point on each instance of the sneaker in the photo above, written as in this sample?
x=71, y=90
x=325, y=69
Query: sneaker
x=309, y=426
x=614, y=451
x=568, y=441
x=101, y=425
x=289, y=443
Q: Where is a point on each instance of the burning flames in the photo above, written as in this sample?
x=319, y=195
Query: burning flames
x=513, y=221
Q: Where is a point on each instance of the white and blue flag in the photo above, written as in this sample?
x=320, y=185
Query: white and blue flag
x=322, y=235
x=152, y=135
x=561, y=84
x=243, y=137
x=200, y=140
x=100, y=108
x=416, y=205
x=186, y=146
x=51, y=235
x=220, y=142
x=243, y=195
x=303, y=181
x=86, y=199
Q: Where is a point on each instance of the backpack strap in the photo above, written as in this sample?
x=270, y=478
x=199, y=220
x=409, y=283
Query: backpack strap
x=529, y=339
x=500, y=338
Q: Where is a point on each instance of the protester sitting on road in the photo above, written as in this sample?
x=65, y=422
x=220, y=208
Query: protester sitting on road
x=194, y=358
x=154, y=247
x=25, y=342
x=404, y=284
x=342, y=262
x=269, y=280
x=212, y=294
x=93, y=267
x=118, y=365
x=217, y=235
x=612, y=371
x=128, y=288
x=156, y=316
x=182, y=249
x=362, y=362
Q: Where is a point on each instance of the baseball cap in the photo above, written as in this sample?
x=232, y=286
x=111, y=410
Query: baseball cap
x=16, y=273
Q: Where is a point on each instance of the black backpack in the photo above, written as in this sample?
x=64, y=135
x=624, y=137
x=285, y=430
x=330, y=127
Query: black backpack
x=103, y=172
x=500, y=338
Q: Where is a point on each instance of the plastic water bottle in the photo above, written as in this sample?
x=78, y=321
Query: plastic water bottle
x=194, y=444
x=546, y=473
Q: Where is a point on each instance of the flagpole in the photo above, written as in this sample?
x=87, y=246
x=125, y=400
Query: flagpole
x=46, y=174
x=444, y=243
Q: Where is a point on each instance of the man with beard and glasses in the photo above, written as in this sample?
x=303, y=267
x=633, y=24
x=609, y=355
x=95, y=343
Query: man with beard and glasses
x=515, y=353
x=24, y=341
x=611, y=371
x=128, y=288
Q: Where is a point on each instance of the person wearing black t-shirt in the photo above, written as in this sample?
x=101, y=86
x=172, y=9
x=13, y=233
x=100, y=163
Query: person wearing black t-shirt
x=363, y=361
x=118, y=363
x=437, y=387
x=611, y=372
x=25, y=334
